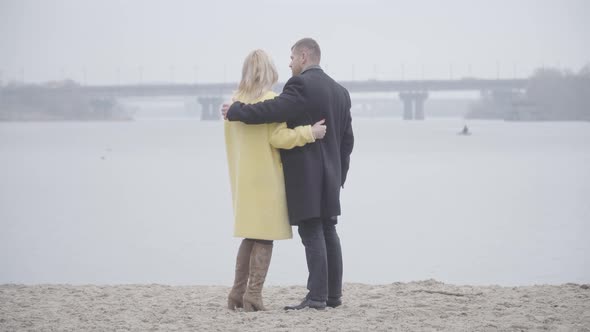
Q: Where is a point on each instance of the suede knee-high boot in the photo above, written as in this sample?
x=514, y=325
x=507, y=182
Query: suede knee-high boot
x=259, y=263
x=234, y=300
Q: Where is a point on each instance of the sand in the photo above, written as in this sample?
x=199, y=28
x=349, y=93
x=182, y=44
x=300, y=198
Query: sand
x=416, y=306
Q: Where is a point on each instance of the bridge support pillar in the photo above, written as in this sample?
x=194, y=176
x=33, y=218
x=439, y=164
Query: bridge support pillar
x=419, y=99
x=415, y=99
x=210, y=108
x=407, y=100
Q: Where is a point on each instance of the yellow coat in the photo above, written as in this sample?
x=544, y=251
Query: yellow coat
x=256, y=175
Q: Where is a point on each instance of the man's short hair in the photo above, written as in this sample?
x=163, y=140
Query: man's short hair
x=311, y=46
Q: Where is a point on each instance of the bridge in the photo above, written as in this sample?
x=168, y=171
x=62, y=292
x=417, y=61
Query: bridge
x=412, y=93
x=208, y=89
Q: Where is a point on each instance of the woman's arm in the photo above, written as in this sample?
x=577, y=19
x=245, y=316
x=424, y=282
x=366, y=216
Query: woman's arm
x=282, y=137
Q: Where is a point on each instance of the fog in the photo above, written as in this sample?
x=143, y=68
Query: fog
x=134, y=188
x=110, y=42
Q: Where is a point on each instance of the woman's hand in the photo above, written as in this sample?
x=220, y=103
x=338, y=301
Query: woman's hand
x=319, y=129
x=224, y=109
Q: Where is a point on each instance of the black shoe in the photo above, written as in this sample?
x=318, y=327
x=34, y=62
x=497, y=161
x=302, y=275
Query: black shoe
x=333, y=303
x=307, y=303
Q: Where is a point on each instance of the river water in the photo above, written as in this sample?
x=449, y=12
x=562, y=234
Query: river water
x=148, y=201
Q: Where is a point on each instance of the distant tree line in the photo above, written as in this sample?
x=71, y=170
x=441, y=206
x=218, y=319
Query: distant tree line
x=551, y=95
x=62, y=100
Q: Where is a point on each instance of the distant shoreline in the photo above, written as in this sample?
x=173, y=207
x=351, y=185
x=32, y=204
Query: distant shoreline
x=66, y=120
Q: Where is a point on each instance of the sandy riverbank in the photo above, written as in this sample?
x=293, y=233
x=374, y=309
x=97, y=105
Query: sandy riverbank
x=415, y=306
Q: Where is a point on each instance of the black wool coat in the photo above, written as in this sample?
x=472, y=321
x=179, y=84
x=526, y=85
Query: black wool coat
x=314, y=173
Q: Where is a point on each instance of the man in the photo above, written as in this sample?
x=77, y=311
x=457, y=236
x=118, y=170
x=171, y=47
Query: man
x=315, y=172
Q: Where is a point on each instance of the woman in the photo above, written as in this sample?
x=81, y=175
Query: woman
x=257, y=183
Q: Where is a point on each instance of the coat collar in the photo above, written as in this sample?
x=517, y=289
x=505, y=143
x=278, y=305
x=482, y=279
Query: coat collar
x=311, y=68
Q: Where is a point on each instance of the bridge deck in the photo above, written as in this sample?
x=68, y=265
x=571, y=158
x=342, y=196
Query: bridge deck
x=218, y=89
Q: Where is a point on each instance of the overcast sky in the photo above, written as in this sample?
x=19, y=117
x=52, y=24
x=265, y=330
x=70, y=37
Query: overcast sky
x=110, y=41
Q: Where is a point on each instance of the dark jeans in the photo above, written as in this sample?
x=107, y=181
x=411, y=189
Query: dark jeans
x=324, y=258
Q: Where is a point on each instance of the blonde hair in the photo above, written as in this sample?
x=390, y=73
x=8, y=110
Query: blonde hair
x=259, y=74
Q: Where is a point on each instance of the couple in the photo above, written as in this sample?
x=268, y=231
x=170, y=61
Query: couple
x=285, y=171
